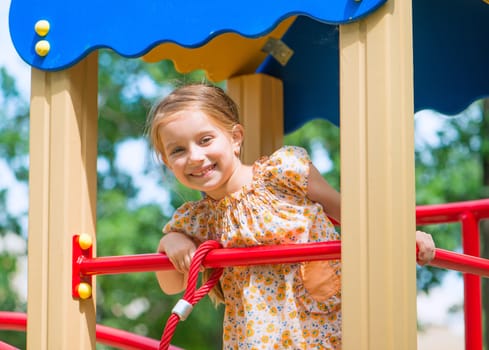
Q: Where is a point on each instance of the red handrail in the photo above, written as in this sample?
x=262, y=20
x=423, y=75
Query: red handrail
x=275, y=254
x=217, y=258
x=451, y=212
x=468, y=213
x=17, y=321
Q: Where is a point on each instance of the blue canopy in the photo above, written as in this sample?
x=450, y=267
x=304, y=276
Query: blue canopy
x=449, y=42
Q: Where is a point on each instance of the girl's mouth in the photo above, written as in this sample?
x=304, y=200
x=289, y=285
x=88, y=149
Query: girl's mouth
x=204, y=171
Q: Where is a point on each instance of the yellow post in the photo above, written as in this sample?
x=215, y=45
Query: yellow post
x=378, y=193
x=260, y=101
x=62, y=181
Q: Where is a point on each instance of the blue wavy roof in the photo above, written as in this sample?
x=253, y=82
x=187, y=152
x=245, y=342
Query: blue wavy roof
x=131, y=28
x=449, y=42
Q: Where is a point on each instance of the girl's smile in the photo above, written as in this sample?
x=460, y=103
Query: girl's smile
x=204, y=172
x=202, y=155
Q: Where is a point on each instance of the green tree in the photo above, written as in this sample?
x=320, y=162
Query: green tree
x=13, y=153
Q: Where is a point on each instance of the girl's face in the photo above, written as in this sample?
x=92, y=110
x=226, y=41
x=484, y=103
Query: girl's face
x=201, y=155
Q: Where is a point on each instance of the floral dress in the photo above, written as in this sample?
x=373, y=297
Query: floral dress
x=268, y=306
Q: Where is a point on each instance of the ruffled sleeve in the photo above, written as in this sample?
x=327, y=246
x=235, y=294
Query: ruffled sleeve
x=288, y=169
x=192, y=219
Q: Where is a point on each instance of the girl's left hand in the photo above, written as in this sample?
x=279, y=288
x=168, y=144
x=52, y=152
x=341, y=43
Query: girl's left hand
x=426, y=248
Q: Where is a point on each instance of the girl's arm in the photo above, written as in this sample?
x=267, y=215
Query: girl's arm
x=320, y=191
x=180, y=249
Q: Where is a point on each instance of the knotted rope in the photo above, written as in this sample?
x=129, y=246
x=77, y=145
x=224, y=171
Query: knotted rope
x=191, y=296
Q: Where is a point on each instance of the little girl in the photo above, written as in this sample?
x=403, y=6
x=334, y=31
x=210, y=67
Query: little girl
x=280, y=199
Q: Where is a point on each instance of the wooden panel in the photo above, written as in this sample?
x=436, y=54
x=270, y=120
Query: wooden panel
x=260, y=101
x=378, y=193
x=63, y=157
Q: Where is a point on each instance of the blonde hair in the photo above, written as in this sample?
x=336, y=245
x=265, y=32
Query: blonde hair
x=210, y=99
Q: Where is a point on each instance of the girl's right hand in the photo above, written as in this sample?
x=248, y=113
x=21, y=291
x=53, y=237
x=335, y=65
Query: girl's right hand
x=179, y=248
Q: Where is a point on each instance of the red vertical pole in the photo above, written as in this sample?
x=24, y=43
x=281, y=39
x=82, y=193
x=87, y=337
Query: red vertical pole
x=472, y=284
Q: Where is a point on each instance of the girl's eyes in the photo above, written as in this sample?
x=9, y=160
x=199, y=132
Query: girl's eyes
x=205, y=140
x=176, y=150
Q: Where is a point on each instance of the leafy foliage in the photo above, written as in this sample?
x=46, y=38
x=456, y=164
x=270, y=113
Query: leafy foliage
x=13, y=152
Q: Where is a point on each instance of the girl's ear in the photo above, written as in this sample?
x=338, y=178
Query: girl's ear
x=238, y=137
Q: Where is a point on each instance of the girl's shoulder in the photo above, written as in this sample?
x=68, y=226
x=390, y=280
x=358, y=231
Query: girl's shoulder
x=286, y=168
x=284, y=157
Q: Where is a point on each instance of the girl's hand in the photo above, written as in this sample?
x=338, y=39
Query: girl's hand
x=426, y=248
x=179, y=248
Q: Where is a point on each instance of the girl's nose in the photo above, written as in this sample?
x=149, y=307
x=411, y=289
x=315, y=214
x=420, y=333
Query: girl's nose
x=196, y=154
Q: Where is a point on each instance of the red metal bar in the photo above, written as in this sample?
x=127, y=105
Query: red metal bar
x=446, y=259
x=472, y=284
x=126, y=341
x=5, y=346
x=265, y=255
x=13, y=321
x=17, y=321
x=451, y=212
x=217, y=258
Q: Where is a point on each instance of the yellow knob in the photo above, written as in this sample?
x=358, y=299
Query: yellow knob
x=84, y=290
x=85, y=241
x=42, y=47
x=42, y=27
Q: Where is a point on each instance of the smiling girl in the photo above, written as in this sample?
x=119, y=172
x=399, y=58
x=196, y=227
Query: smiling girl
x=280, y=199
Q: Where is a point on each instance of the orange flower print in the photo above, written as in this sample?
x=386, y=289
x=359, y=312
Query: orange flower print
x=227, y=332
x=248, y=307
x=273, y=311
x=281, y=292
x=286, y=339
x=334, y=340
x=250, y=329
x=261, y=306
x=270, y=328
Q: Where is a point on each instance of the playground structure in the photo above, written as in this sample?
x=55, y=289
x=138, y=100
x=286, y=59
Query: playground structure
x=375, y=94
x=468, y=214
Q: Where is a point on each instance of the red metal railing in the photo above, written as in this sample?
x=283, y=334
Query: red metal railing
x=17, y=321
x=468, y=214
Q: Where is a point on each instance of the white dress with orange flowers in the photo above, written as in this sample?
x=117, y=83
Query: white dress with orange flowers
x=268, y=306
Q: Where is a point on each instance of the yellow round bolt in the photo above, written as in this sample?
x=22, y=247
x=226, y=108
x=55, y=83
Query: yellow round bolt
x=42, y=27
x=42, y=47
x=84, y=290
x=85, y=241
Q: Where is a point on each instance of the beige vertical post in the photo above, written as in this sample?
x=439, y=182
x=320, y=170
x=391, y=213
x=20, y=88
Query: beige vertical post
x=260, y=101
x=62, y=180
x=378, y=193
